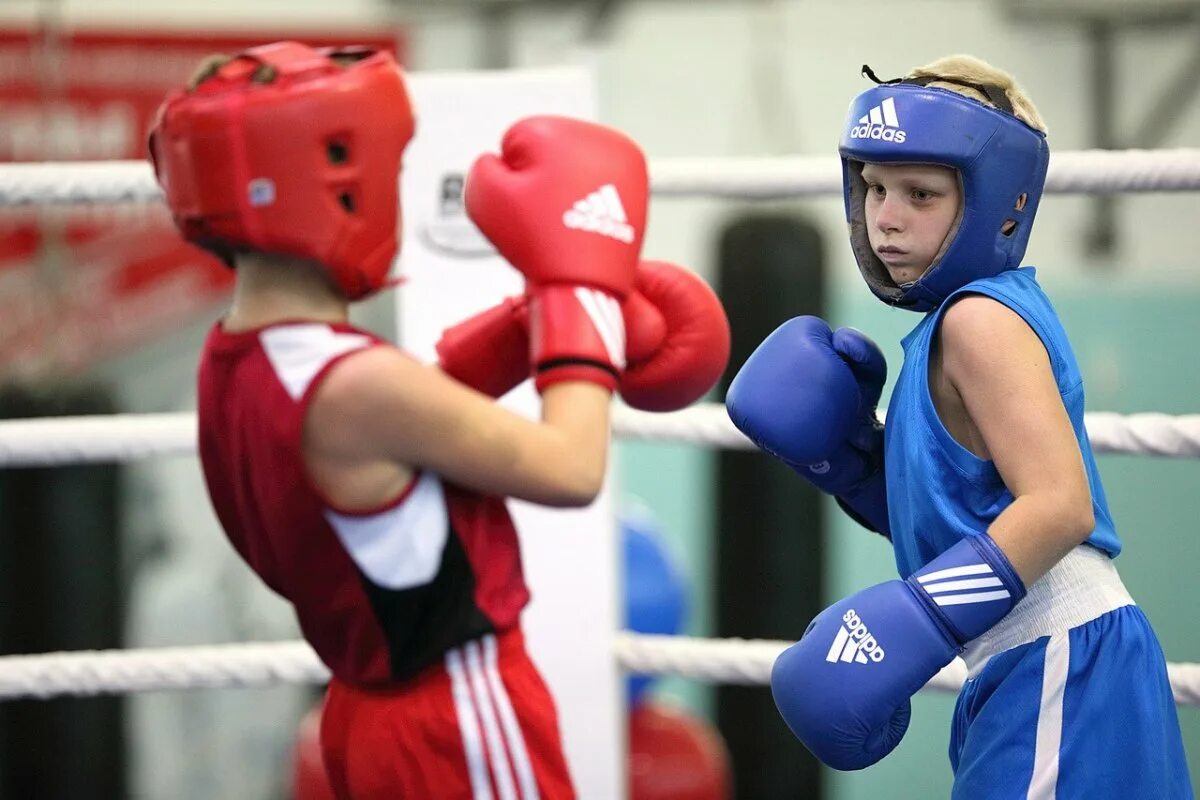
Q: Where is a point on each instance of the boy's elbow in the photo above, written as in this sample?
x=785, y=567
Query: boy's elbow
x=575, y=488
x=1087, y=523
x=583, y=491
x=1081, y=519
x=571, y=497
x=582, y=474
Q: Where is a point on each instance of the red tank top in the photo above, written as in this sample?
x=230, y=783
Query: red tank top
x=379, y=595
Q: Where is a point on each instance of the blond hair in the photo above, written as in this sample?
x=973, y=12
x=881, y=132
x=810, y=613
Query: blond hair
x=957, y=71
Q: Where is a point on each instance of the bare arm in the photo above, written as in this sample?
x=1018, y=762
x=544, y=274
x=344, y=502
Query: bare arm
x=380, y=407
x=1001, y=370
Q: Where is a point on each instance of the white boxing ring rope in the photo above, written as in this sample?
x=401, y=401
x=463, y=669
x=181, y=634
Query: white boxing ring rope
x=51, y=441
x=1077, y=172
x=128, y=437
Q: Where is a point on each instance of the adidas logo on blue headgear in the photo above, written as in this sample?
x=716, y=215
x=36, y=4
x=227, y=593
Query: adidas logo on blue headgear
x=881, y=123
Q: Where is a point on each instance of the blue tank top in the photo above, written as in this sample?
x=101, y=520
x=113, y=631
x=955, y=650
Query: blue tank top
x=938, y=491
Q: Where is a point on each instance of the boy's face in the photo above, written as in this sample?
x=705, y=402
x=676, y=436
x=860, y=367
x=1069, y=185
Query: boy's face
x=910, y=209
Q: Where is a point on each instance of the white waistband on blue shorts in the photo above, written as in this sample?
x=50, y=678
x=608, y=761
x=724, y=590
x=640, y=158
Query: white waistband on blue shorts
x=1083, y=586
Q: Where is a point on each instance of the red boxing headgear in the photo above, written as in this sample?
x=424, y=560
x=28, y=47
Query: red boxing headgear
x=286, y=150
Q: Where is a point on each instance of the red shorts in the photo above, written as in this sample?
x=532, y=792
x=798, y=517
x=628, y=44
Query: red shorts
x=480, y=725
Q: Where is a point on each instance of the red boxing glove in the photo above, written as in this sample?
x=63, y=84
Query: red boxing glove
x=678, y=338
x=677, y=349
x=565, y=203
x=490, y=351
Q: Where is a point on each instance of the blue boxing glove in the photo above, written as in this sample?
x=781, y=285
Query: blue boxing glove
x=844, y=688
x=807, y=396
x=866, y=362
x=866, y=501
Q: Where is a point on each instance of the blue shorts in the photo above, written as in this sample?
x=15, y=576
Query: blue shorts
x=1082, y=714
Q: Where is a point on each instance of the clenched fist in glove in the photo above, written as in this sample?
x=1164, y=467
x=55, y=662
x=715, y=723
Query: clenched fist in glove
x=807, y=396
x=678, y=338
x=678, y=341
x=903, y=632
x=565, y=203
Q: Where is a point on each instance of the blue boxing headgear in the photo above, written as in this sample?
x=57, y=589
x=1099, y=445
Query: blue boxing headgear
x=1001, y=162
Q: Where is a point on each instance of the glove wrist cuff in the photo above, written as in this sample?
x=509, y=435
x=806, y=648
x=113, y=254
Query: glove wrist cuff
x=576, y=333
x=969, y=588
x=866, y=503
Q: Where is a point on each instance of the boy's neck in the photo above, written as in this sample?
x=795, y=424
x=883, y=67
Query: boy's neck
x=268, y=291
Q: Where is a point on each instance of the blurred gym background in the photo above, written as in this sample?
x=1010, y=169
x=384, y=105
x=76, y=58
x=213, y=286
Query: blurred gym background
x=101, y=310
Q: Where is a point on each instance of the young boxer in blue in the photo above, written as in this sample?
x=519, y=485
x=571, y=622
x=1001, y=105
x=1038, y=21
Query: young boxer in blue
x=983, y=479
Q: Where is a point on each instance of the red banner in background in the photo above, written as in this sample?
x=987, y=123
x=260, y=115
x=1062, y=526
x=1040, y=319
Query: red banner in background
x=79, y=284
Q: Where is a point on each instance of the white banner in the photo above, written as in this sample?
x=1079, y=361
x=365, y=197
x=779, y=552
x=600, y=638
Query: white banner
x=452, y=272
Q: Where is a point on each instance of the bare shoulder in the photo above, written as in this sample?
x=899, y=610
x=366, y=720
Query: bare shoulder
x=976, y=315
x=979, y=333
x=367, y=372
x=363, y=392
